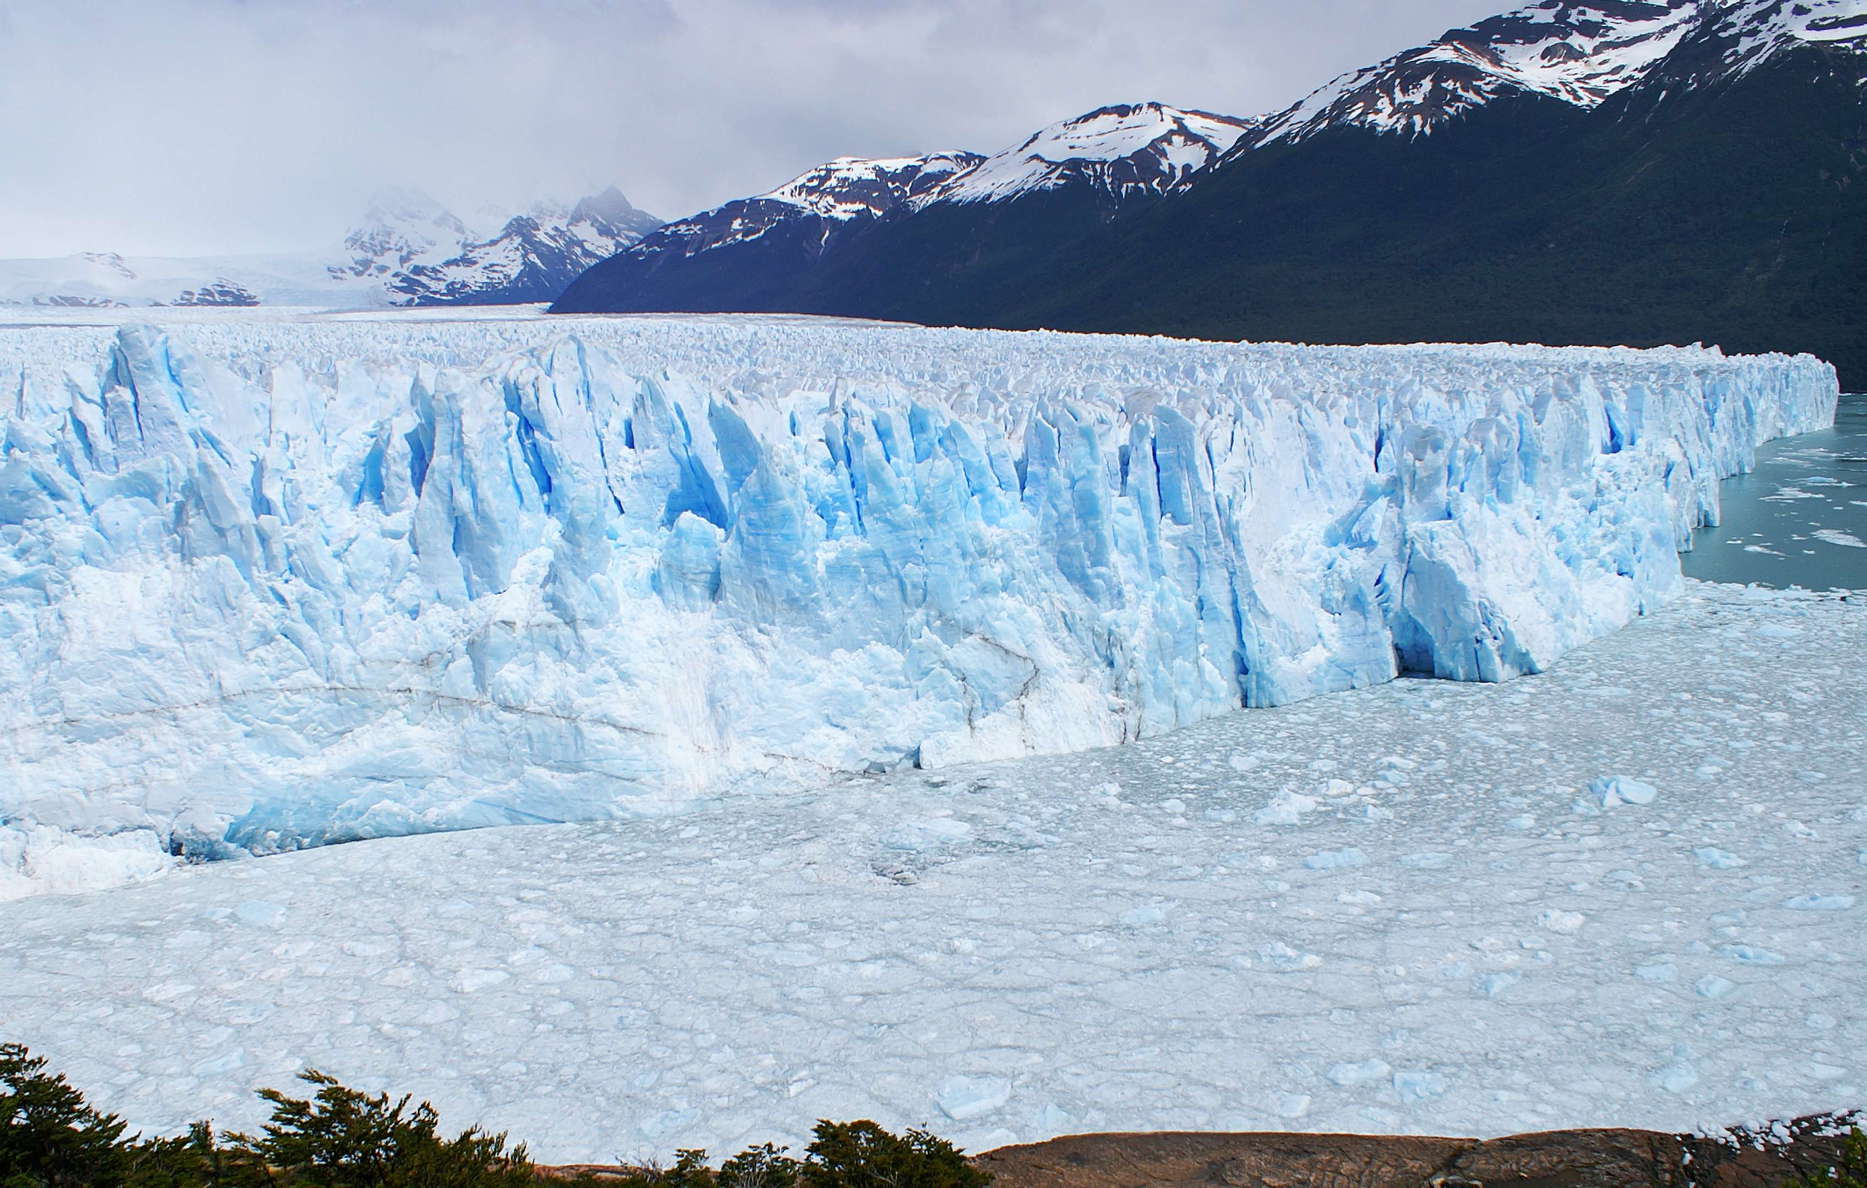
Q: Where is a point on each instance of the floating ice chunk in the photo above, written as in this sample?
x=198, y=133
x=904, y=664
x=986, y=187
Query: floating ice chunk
x=1416, y=1085
x=1280, y=956
x=1344, y=859
x=1051, y=1120
x=934, y=833
x=260, y=913
x=1713, y=986
x=1819, y=903
x=1287, y=808
x=1835, y=536
x=471, y=980
x=1557, y=920
x=1752, y=955
x=1716, y=859
x=1677, y=1077
x=1610, y=791
x=1428, y=861
x=1348, y=1075
x=1493, y=984
x=1657, y=971
x=965, y=1098
x=1293, y=1105
x=1144, y=916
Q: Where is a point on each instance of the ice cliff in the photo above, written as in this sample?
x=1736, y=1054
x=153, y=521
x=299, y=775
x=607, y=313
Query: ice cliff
x=267, y=584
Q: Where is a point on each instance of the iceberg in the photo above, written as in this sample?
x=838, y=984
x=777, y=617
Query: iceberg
x=274, y=583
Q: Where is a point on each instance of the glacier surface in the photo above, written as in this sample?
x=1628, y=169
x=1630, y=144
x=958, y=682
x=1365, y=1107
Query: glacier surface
x=269, y=582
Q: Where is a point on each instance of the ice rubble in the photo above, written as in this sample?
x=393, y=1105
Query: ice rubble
x=268, y=583
x=1100, y=941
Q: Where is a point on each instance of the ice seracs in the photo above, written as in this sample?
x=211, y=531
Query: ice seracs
x=266, y=584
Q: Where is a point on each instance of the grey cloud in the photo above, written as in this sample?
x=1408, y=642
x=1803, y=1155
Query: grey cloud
x=188, y=126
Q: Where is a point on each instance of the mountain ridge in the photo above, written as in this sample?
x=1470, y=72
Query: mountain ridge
x=1717, y=193
x=406, y=249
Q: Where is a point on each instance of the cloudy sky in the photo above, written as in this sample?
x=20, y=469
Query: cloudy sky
x=215, y=126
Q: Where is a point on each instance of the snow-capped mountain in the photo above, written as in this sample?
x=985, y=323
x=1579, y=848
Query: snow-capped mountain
x=1746, y=34
x=407, y=249
x=1611, y=171
x=400, y=228
x=1125, y=150
x=843, y=191
x=532, y=258
x=1580, y=54
x=732, y=256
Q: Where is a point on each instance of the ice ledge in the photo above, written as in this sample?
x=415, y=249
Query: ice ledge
x=278, y=584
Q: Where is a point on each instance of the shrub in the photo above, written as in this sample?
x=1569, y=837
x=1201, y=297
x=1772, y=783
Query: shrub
x=863, y=1155
x=50, y=1137
x=342, y=1138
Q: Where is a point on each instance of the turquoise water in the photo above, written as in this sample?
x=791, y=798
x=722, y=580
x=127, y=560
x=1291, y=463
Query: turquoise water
x=1800, y=518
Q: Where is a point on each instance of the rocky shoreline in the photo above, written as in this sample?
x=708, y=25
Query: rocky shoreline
x=1740, y=1158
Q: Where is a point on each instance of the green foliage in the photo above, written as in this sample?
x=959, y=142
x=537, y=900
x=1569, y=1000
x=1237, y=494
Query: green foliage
x=342, y=1138
x=863, y=1155
x=843, y=1155
x=50, y=1137
x=763, y=1166
x=1851, y=1172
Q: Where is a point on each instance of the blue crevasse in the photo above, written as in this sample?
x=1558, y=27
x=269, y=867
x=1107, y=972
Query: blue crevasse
x=271, y=584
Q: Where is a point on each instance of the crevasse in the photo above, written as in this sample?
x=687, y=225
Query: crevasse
x=272, y=584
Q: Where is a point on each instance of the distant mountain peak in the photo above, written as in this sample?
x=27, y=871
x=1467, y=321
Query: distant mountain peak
x=1748, y=33
x=531, y=257
x=1576, y=53
x=857, y=187
x=835, y=193
x=399, y=227
x=1123, y=148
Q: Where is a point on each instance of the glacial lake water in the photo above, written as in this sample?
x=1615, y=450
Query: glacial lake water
x=1800, y=518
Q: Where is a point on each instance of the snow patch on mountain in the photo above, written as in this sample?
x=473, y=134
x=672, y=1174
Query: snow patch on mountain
x=1123, y=150
x=1577, y=53
x=532, y=258
x=267, y=583
x=1751, y=32
x=835, y=193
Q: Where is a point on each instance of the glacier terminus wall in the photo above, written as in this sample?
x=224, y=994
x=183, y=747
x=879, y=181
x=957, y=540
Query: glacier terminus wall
x=273, y=583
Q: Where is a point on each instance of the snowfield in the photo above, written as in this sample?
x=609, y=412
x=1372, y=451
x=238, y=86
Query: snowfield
x=269, y=582
x=1626, y=892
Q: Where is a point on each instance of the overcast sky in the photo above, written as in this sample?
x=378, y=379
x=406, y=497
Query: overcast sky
x=217, y=126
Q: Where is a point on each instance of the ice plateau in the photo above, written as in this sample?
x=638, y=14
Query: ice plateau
x=269, y=583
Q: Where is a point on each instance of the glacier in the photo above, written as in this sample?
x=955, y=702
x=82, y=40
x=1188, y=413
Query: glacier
x=268, y=583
